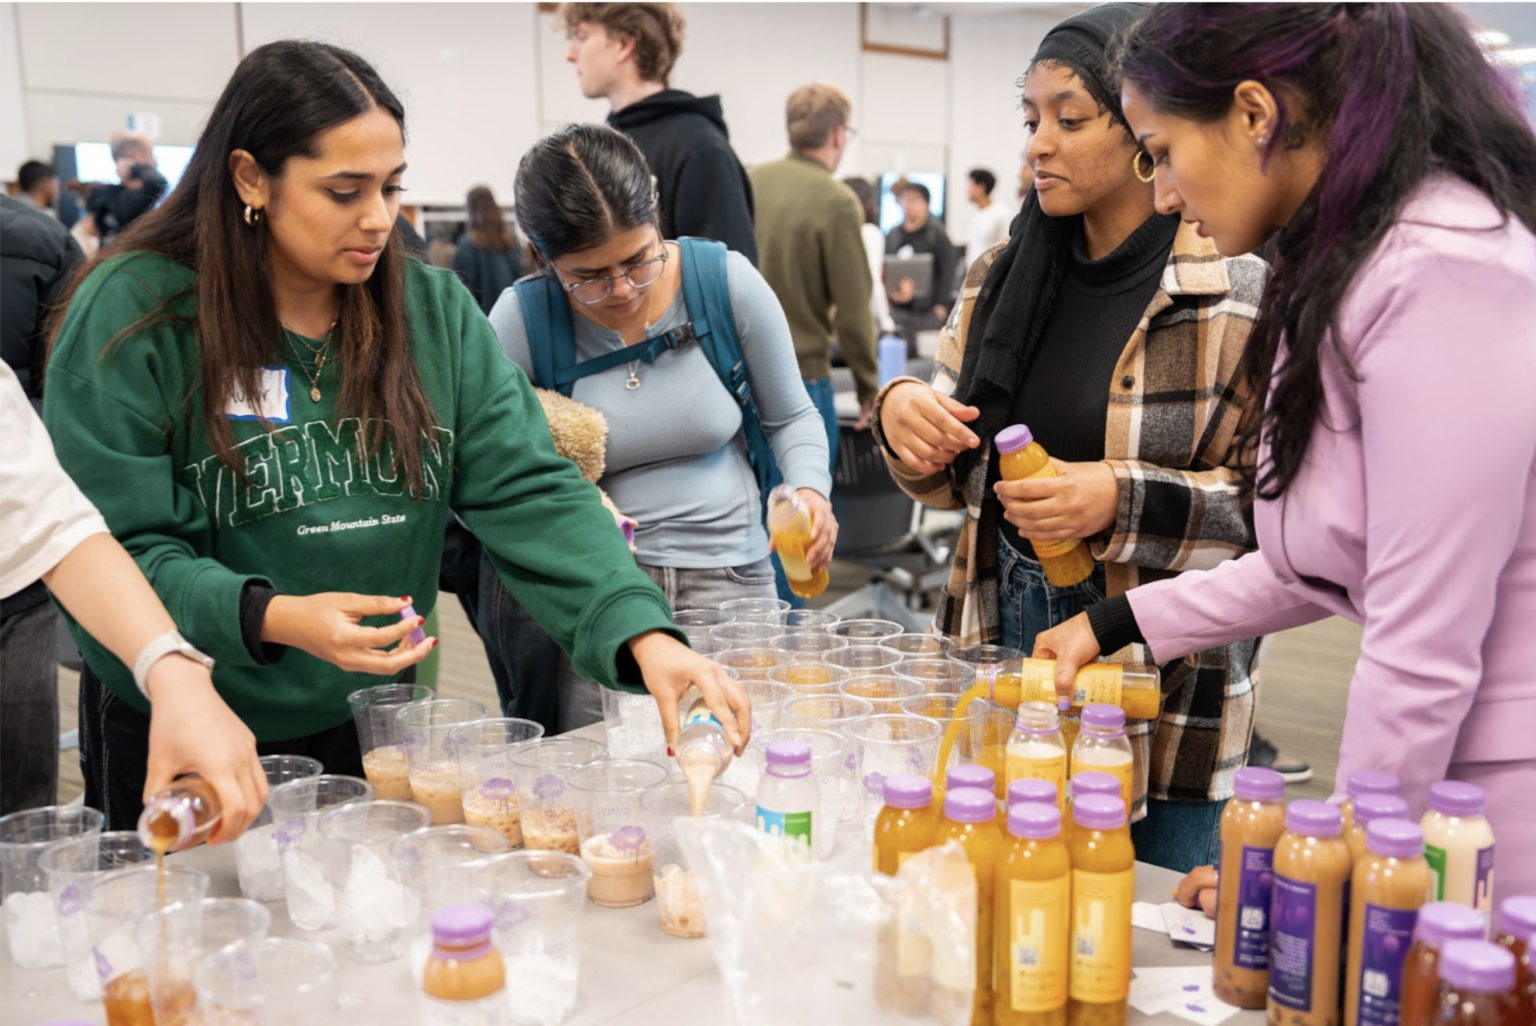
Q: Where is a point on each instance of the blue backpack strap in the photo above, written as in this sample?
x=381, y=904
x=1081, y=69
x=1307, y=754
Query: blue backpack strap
x=551, y=333
x=707, y=293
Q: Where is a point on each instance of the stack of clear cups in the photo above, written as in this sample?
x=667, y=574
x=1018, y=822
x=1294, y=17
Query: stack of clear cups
x=759, y=610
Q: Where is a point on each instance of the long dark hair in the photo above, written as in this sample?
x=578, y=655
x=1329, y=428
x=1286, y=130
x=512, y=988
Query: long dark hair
x=281, y=97
x=578, y=188
x=1401, y=92
x=488, y=227
x=866, y=193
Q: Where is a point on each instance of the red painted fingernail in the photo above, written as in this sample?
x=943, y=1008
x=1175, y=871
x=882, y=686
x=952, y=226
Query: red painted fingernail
x=670, y=753
x=434, y=642
x=420, y=620
x=406, y=599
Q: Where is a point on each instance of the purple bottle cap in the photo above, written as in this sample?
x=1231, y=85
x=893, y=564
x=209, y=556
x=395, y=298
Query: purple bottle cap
x=907, y=791
x=1099, y=811
x=1477, y=966
x=1035, y=821
x=969, y=805
x=1394, y=838
x=1379, y=806
x=461, y=924
x=1258, y=784
x=1517, y=917
x=1305, y=816
x=789, y=754
x=1442, y=921
x=1030, y=791
x=419, y=634
x=1104, y=717
x=1372, y=782
x=1012, y=439
x=1456, y=798
x=978, y=777
x=1092, y=782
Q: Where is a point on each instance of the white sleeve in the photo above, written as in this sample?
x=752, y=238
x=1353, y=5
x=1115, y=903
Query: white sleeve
x=43, y=515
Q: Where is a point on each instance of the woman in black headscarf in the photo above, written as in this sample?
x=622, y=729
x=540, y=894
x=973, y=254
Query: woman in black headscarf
x=1115, y=333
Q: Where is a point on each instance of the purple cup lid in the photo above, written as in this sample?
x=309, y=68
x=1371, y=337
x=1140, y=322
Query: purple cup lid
x=1477, y=966
x=1092, y=782
x=1098, y=811
x=461, y=924
x=1394, y=838
x=1442, y=921
x=1012, y=439
x=788, y=753
x=908, y=791
x=1104, y=717
x=1372, y=782
x=969, y=805
x=1517, y=917
x=1379, y=806
x=1031, y=791
x=1305, y=816
x=978, y=777
x=1456, y=798
x=1258, y=784
x=1035, y=821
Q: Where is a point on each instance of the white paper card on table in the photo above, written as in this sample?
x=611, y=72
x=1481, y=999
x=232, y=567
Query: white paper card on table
x=1148, y=916
x=1183, y=991
x=1189, y=925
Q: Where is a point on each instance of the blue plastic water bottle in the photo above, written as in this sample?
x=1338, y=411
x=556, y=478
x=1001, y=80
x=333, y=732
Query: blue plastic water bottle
x=892, y=356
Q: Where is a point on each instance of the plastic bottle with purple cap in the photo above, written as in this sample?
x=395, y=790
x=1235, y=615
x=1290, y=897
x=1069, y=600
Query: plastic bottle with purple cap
x=1103, y=886
x=1020, y=457
x=907, y=823
x=1102, y=747
x=1387, y=889
x=1477, y=987
x=1036, y=750
x=1251, y=826
x=1515, y=930
x=1363, y=782
x=1370, y=807
x=788, y=796
x=1440, y=922
x=1086, y=784
x=465, y=977
x=1307, y=917
x=1458, y=843
x=970, y=820
x=1034, y=891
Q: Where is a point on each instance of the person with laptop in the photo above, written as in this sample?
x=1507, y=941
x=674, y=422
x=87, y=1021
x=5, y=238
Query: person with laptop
x=916, y=309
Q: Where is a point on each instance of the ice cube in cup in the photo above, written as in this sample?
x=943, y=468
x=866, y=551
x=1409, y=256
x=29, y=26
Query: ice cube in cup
x=31, y=917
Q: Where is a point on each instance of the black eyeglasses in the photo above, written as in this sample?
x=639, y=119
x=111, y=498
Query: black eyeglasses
x=641, y=276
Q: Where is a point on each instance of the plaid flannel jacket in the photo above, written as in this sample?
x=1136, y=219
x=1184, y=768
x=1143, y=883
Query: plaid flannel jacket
x=1176, y=407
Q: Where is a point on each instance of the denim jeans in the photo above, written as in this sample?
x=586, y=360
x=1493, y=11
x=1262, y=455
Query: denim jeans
x=1027, y=603
x=29, y=709
x=1178, y=835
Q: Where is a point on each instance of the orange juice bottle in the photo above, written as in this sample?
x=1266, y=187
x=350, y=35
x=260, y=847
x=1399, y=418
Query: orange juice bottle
x=970, y=818
x=1087, y=783
x=1134, y=687
x=906, y=824
x=1102, y=747
x=1103, y=881
x=1019, y=456
x=1034, y=885
x=789, y=522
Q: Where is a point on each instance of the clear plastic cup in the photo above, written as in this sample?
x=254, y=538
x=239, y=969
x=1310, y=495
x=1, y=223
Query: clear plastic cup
x=541, y=771
x=438, y=865
x=941, y=709
x=746, y=634
x=278, y=981
x=376, y=712
x=760, y=610
x=768, y=701
x=825, y=712
x=678, y=907
x=705, y=645
x=71, y=867
x=991, y=661
x=751, y=663
x=887, y=746
x=991, y=727
x=832, y=762
x=485, y=774
x=173, y=940
x=634, y=726
x=800, y=621
x=933, y=646
x=430, y=756
x=374, y=909
x=868, y=631
x=801, y=646
x=614, y=840
x=938, y=675
x=883, y=692
x=31, y=913
x=696, y=623
x=295, y=806
x=538, y=899
x=258, y=863
x=810, y=676
x=866, y=658
x=114, y=905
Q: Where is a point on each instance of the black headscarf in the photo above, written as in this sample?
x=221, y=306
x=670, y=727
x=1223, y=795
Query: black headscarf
x=1016, y=299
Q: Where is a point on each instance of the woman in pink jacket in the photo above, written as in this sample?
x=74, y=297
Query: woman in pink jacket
x=1396, y=474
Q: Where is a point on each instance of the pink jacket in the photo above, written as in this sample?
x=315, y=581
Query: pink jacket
x=1415, y=514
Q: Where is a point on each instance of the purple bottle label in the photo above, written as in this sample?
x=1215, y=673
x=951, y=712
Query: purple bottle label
x=1250, y=948
x=1383, y=946
x=1293, y=917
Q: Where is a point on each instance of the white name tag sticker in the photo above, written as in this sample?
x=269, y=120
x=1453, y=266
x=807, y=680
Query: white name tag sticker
x=269, y=402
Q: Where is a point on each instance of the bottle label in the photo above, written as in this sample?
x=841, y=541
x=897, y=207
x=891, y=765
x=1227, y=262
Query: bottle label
x=1250, y=948
x=1292, y=915
x=1050, y=549
x=1384, y=945
x=1097, y=684
x=482, y=1012
x=1101, y=935
x=1037, y=951
x=1482, y=888
x=697, y=715
x=785, y=824
x=1435, y=856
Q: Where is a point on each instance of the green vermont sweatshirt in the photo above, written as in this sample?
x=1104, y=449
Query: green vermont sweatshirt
x=318, y=514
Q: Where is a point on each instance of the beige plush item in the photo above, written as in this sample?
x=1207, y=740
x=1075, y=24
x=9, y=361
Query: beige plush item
x=581, y=436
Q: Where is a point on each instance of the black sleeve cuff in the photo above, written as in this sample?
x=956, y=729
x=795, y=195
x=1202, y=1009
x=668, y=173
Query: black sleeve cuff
x=1114, y=624
x=254, y=600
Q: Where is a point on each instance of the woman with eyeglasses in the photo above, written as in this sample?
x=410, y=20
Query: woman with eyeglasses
x=275, y=408
x=676, y=458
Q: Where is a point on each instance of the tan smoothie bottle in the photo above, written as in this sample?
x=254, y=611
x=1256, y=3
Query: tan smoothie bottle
x=1251, y=825
x=1388, y=888
x=1307, y=916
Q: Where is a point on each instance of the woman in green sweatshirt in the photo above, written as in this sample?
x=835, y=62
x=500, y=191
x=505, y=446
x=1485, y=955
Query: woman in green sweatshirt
x=275, y=410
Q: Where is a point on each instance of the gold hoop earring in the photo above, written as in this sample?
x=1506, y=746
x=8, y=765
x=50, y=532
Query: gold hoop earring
x=1145, y=179
x=252, y=216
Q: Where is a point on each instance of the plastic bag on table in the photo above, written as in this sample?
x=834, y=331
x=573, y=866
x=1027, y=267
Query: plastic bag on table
x=802, y=941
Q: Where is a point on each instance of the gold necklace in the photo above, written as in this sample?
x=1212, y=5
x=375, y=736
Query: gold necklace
x=318, y=352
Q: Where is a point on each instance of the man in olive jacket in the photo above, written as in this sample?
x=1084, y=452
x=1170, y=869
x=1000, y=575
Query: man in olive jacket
x=812, y=253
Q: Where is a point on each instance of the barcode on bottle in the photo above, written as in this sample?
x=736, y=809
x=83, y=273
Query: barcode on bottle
x=1028, y=958
x=1085, y=947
